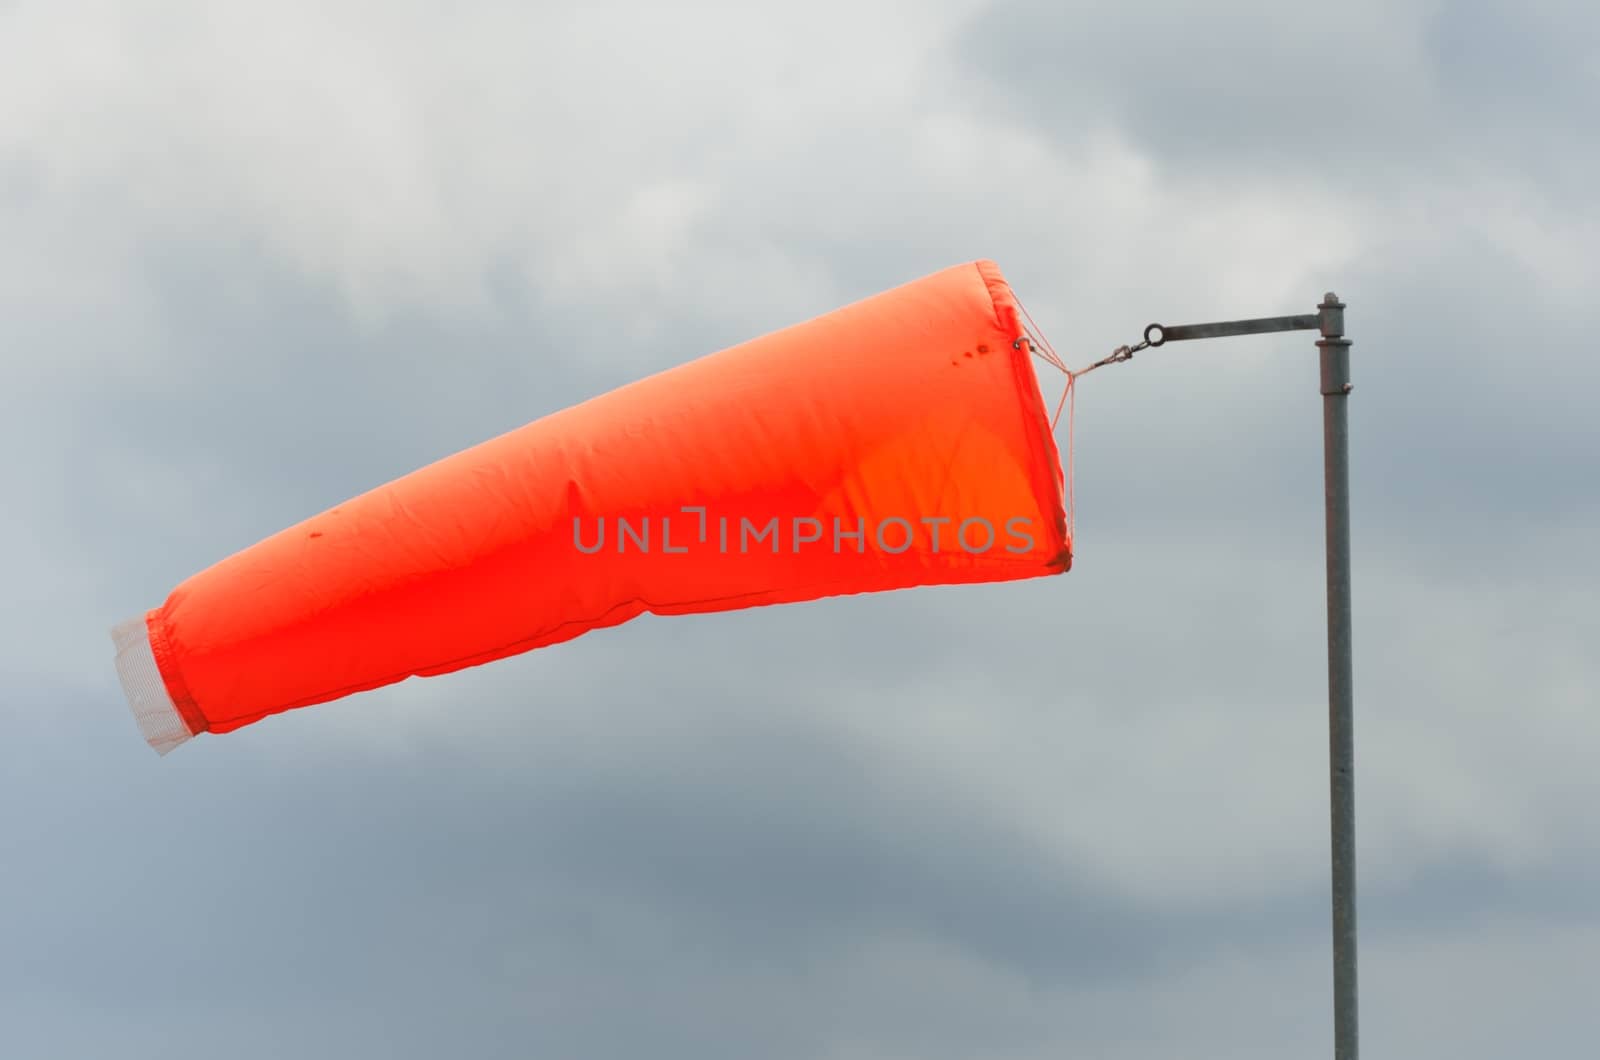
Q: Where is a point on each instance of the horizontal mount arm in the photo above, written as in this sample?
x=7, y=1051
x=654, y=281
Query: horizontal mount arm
x=1157, y=334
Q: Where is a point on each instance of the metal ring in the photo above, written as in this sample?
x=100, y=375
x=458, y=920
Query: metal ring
x=1161, y=335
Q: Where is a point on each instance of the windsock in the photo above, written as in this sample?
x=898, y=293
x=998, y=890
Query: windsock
x=900, y=441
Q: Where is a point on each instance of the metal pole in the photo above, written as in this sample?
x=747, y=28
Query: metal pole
x=1329, y=319
x=1335, y=350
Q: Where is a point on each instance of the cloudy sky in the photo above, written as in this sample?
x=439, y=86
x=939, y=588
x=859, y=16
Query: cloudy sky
x=256, y=259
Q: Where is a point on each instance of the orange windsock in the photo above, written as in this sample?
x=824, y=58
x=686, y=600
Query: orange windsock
x=900, y=441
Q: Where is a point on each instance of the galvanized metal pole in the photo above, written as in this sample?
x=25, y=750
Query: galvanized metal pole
x=1335, y=350
x=1329, y=319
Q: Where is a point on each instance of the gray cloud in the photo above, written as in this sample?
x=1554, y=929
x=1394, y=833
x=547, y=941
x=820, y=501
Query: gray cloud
x=1366, y=95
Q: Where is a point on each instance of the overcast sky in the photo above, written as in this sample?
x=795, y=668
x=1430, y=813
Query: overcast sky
x=257, y=259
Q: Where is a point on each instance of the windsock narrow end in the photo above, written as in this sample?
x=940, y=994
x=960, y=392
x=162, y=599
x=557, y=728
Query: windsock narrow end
x=159, y=722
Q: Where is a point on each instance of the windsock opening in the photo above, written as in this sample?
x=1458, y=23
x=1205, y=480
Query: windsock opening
x=159, y=721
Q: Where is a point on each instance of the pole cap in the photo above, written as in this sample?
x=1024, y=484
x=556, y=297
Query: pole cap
x=1331, y=312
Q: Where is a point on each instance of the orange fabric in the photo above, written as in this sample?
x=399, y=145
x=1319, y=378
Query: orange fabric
x=884, y=417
